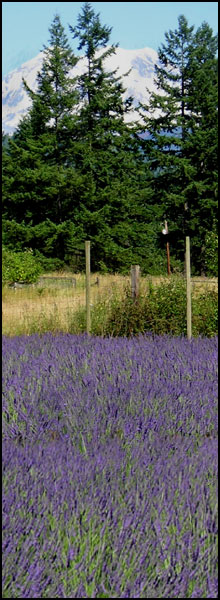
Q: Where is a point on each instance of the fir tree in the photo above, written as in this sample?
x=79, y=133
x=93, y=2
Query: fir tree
x=107, y=151
x=201, y=146
x=44, y=183
x=74, y=169
x=56, y=96
x=178, y=120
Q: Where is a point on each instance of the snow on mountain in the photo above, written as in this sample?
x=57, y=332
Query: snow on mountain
x=16, y=102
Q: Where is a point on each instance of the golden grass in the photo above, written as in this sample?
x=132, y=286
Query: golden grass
x=34, y=308
x=39, y=308
x=202, y=284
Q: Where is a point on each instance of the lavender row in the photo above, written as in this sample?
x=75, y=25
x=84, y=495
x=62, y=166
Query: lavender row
x=109, y=467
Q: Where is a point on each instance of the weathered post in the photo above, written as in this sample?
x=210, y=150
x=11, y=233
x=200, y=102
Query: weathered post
x=135, y=273
x=88, y=319
x=188, y=290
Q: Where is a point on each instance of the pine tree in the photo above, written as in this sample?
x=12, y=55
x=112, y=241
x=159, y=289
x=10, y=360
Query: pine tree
x=75, y=174
x=44, y=183
x=108, y=152
x=201, y=146
x=177, y=118
x=56, y=95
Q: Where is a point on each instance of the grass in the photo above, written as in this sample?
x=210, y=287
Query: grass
x=43, y=308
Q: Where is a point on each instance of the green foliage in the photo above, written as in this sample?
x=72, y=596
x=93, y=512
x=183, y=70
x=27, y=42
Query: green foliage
x=58, y=239
x=20, y=267
x=183, y=147
x=114, y=202
x=76, y=170
x=16, y=236
x=54, y=244
x=205, y=314
x=163, y=311
x=211, y=253
x=48, y=265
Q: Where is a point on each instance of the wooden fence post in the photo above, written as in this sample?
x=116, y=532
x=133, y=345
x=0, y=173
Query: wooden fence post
x=88, y=318
x=135, y=272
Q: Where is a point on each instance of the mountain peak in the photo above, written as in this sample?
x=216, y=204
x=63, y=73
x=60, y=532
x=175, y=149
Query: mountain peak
x=16, y=102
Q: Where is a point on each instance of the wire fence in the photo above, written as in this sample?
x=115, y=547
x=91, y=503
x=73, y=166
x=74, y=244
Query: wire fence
x=59, y=298
x=54, y=299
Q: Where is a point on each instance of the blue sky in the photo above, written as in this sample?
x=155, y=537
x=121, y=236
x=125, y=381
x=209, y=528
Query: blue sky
x=134, y=24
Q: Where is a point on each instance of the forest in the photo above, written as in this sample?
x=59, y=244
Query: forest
x=75, y=170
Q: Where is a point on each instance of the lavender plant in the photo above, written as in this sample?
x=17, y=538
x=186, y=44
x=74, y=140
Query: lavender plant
x=109, y=467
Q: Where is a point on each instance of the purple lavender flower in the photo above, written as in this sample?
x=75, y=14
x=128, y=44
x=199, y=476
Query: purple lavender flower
x=121, y=499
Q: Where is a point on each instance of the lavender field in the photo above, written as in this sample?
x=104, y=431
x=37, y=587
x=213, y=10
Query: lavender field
x=109, y=467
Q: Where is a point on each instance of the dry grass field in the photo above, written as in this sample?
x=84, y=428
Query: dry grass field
x=45, y=306
x=34, y=307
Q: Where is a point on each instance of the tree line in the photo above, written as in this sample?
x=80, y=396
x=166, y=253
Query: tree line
x=76, y=170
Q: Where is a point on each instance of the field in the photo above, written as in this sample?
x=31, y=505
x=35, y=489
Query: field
x=109, y=467
x=43, y=308
x=36, y=308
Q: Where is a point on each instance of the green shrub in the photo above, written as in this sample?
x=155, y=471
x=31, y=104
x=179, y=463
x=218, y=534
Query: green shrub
x=16, y=236
x=20, y=267
x=99, y=316
x=211, y=253
x=165, y=308
x=48, y=265
x=163, y=311
x=125, y=317
x=205, y=314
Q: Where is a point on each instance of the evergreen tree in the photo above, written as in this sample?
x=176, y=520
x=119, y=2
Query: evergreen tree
x=56, y=95
x=75, y=170
x=202, y=143
x=182, y=119
x=108, y=153
x=45, y=183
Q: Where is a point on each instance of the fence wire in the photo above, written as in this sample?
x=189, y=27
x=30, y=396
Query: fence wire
x=56, y=300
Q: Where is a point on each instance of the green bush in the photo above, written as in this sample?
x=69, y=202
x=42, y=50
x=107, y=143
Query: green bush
x=205, y=314
x=20, y=267
x=162, y=311
x=48, y=265
x=211, y=254
x=16, y=236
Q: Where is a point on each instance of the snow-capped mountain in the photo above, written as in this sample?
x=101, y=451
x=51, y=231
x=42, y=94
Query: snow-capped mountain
x=141, y=62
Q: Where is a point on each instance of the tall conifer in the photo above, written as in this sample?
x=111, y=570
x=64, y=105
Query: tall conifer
x=178, y=118
x=107, y=151
x=44, y=175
